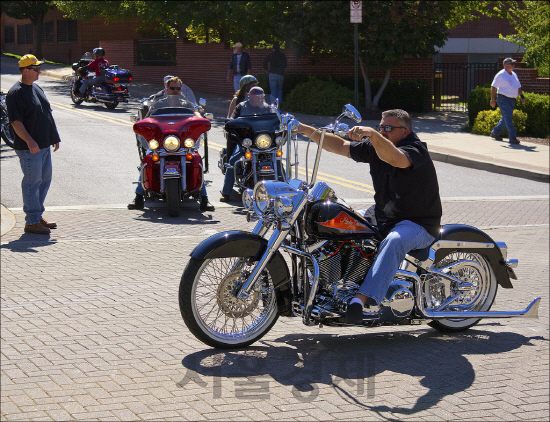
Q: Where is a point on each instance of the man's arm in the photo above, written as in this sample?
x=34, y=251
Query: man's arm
x=385, y=149
x=493, y=96
x=23, y=134
x=331, y=143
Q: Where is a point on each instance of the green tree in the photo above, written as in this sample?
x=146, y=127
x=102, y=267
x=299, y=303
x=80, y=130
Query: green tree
x=531, y=19
x=33, y=10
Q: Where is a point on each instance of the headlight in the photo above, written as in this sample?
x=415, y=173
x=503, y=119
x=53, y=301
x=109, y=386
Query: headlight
x=280, y=141
x=283, y=206
x=248, y=202
x=189, y=143
x=263, y=141
x=261, y=198
x=171, y=143
x=153, y=144
x=247, y=142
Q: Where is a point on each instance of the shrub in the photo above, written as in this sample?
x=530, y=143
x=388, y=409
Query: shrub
x=537, y=108
x=486, y=120
x=323, y=98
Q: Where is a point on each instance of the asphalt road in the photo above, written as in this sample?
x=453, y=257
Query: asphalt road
x=97, y=161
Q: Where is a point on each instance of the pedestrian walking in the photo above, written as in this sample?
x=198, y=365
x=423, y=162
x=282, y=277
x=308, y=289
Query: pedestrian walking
x=275, y=63
x=30, y=114
x=239, y=65
x=507, y=87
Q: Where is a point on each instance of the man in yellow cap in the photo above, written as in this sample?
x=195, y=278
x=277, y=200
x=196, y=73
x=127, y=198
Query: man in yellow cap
x=30, y=114
x=239, y=65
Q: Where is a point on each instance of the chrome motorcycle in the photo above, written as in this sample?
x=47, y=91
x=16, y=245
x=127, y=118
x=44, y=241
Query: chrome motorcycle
x=237, y=283
x=8, y=134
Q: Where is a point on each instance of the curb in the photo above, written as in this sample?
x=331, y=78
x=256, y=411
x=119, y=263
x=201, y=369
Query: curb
x=457, y=160
x=7, y=220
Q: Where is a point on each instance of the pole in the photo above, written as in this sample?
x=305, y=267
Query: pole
x=356, y=66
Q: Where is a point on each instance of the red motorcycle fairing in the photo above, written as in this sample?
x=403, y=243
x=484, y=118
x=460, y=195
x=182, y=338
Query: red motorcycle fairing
x=158, y=127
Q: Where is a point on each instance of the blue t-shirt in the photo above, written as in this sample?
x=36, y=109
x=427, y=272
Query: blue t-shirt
x=29, y=105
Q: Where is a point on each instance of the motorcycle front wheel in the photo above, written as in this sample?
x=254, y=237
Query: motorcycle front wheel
x=212, y=312
x=8, y=134
x=75, y=99
x=477, y=290
x=172, y=189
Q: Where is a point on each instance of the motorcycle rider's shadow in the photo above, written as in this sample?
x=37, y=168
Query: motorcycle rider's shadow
x=362, y=369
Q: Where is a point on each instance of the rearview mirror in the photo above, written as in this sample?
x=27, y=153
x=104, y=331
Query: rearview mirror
x=351, y=113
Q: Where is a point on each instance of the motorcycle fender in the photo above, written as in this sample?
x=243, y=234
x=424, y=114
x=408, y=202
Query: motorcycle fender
x=171, y=171
x=466, y=233
x=224, y=245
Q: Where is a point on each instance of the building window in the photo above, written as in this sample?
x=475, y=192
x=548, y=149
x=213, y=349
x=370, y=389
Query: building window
x=156, y=52
x=24, y=34
x=9, y=34
x=66, y=31
x=47, y=32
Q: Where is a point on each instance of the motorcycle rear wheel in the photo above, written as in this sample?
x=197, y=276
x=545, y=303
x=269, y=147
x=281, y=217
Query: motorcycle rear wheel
x=111, y=105
x=214, y=315
x=172, y=190
x=8, y=134
x=476, y=271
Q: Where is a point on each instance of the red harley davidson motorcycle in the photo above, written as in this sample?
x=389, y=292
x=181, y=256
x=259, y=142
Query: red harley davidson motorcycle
x=169, y=130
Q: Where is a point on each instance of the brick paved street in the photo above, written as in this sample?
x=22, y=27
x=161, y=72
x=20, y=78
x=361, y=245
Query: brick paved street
x=91, y=330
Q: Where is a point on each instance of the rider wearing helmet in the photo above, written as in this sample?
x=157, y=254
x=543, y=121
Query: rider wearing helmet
x=246, y=82
x=97, y=65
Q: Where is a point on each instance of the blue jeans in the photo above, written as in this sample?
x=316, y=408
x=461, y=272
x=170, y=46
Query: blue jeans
x=276, y=86
x=229, y=180
x=89, y=81
x=37, y=176
x=506, y=105
x=403, y=238
x=236, y=80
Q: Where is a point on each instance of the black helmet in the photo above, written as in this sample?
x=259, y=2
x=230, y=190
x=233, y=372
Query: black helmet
x=245, y=80
x=99, y=51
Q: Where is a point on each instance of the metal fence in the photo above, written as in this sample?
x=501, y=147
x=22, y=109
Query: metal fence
x=453, y=83
x=156, y=53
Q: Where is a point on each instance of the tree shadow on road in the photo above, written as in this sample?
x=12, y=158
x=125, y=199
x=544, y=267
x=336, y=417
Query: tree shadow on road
x=354, y=366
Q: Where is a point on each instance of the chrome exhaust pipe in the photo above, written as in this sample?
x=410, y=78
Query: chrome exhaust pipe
x=532, y=311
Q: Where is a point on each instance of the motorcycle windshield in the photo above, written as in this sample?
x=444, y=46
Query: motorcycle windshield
x=256, y=105
x=174, y=104
x=87, y=56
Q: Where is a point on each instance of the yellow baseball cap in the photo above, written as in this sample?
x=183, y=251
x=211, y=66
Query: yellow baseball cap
x=237, y=44
x=29, y=60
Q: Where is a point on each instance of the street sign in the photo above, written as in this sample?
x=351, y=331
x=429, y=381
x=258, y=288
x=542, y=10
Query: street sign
x=356, y=11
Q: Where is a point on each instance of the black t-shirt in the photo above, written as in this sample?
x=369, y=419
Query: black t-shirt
x=402, y=193
x=29, y=105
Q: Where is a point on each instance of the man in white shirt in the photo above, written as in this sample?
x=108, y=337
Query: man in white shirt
x=507, y=87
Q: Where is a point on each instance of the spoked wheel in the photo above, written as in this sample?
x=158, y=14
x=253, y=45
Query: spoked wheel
x=75, y=99
x=111, y=105
x=8, y=134
x=476, y=292
x=172, y=189
x=214, y=314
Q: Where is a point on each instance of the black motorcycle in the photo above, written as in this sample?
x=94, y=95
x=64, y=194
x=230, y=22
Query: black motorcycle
x=261, y=136
x=110, y=90
x=237, y=283
x=8, y=134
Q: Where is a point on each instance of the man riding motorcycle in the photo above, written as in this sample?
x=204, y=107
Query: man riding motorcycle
x=173, y=87
x=97, y=65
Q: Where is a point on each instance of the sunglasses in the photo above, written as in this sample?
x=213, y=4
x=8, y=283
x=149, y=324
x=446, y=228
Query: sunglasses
x=388, y=128
x=36, y=69
x=175, y=88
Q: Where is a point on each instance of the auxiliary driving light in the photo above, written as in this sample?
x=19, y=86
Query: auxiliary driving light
x=153, y=144
x=189, y=143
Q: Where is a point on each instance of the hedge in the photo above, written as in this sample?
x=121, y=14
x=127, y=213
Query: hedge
x=486, y=120
x=537, y=108
x=408, y=94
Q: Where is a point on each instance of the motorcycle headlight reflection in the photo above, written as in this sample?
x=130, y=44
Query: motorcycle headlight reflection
x=248, y=201
x=171, y=143
x=263, y=141
x=261, y=197
x=153, y=144
x=283, y=206
x=189, y=143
